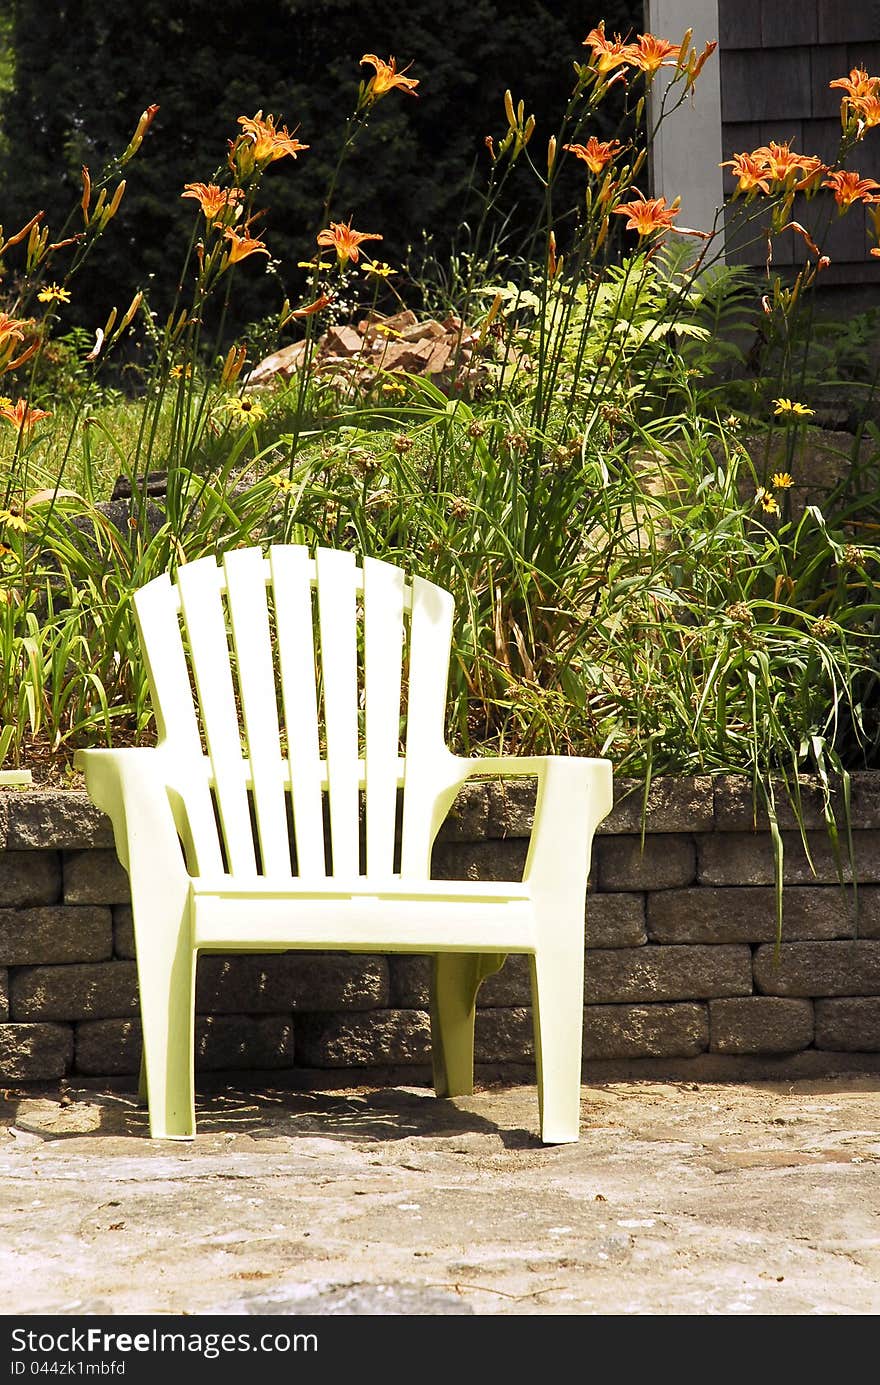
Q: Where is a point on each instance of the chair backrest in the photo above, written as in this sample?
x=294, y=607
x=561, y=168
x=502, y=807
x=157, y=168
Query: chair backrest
x=281, y=681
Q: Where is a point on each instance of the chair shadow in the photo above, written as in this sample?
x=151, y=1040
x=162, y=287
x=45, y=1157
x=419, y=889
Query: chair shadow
x=230, y=1109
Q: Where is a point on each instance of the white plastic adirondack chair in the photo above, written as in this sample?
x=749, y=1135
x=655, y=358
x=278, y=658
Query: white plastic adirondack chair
x=217, y=863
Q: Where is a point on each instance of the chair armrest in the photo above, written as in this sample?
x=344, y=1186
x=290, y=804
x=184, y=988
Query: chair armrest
x=574, y=795
x=131, y=787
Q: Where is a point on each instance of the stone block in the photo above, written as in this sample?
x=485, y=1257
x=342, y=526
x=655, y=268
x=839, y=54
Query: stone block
x=651, y=973
x=512, y=985
x=108, y=1048
x=94, y=877
x=849, y=1025
x=746, y=858
x=468, y=816
x=78, y=991
x=735, y=809
x=356, y=1041
x=615, y=920
x=747, y=914
x=57, y=819
x=223, y=1042
x=254, y=984
x=34, y=1052
x=511, y=807
x=410, y=981
x=243, y=1041
x=55, y=933
x=29, y=877
x=640, y=1031
x=492, y=860
x=845, y=968
x=760, y=1024
x=675, y=804
x=504, y=1035
x=123, y=931
x=667, y=862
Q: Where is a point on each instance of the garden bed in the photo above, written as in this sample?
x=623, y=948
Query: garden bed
x=683, y=969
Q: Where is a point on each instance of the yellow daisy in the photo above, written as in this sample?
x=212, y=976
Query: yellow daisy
x=53, y=293
x=13, y=520
x=244, y=410
x=791, y=406
x=767, y=501
x=782, y=480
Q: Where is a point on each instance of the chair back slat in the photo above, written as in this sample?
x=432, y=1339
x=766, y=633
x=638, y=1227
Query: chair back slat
x=291, y=569
x=383, y=665
x=245, y=570
x=200, y=587
x=430, y=641
x=254, y=624
x=155, y=612
x=337, y=613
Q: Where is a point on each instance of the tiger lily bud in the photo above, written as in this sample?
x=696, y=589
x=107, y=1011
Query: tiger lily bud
x=232, y=365
x=137, y=138
x=551, y=153
x=36, y=246
x=20, y=235
x=130, y=312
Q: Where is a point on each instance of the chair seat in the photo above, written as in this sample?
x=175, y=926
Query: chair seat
x=362, y=914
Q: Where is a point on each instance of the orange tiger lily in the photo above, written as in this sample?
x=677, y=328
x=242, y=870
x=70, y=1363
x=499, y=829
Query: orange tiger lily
x=387, y=78
x=595, y=153
x=345, y=241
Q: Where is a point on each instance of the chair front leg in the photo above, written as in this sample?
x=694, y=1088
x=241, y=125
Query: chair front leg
x=166, y=978
x=557, y=970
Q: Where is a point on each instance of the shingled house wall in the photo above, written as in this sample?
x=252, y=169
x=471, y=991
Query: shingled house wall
x=682, y=971
x=777, y=58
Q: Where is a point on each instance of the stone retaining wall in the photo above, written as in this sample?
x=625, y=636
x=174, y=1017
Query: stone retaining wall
x=682, y=966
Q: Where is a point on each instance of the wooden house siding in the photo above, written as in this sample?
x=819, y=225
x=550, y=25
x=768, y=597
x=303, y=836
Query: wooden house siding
x=777, y=58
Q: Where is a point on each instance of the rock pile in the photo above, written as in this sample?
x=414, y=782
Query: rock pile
x=447, y=352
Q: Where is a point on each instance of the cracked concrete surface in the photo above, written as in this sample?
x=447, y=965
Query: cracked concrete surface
x=757, y=1198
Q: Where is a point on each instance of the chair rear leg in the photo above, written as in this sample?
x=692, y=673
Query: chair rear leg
x=167, y=991
x=558, y=1008
x=456, y=980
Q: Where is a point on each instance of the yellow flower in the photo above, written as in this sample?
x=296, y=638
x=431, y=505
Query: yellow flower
x=13, y=520
x=54, y=293
x=393, y=387
x=244, y=410
x=5, y=401
x=791, y=406
x=782, y=480
x=281, y=483
x=378, y=269
x=181, y=372
x=767, y=501
x=316, y=263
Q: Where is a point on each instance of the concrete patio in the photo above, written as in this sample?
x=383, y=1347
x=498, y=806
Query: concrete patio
x=682, y=1198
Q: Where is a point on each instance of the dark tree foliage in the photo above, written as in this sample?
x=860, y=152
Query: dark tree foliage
x=85, y=69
